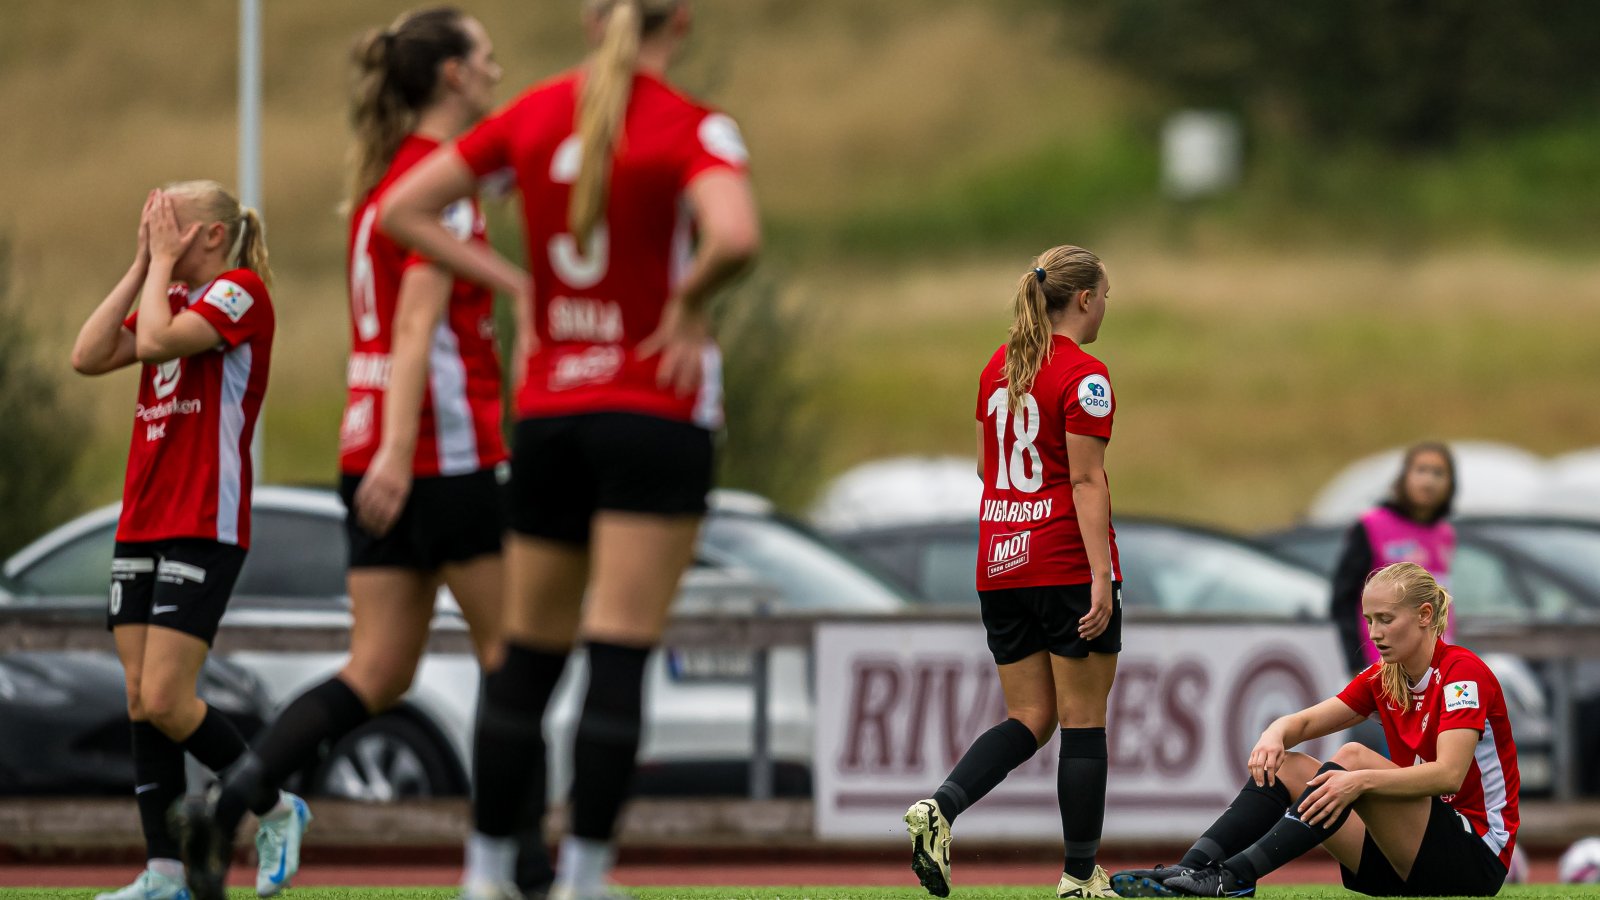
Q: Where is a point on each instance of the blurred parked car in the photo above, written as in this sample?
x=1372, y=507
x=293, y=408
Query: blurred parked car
x=1172, y=568
x=64, y=716
x=701, y=712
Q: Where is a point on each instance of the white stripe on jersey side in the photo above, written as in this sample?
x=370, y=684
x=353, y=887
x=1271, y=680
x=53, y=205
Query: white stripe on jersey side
x=1493, y=778
x=453, y=430
x=708, y=403
x=230, y=431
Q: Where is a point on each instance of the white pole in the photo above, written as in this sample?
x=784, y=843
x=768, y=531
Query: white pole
x=250, y=143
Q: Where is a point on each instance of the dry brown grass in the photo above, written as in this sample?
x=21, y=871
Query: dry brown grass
x=1246, y=377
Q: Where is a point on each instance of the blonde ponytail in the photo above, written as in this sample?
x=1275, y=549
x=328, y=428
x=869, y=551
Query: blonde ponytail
x=602, y=108
x=1413, y=587
x=252, y=244
x=1058, y=275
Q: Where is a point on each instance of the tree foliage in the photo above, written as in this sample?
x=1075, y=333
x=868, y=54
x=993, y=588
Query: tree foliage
x=1408, y=74
x=39, y=437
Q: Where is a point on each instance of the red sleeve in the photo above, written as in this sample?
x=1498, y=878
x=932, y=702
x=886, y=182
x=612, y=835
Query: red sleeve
x=487, y=147
x=1469, y=688
x=236, y=305
x=1088, y=403
x=717, y=144
x=1359, y=693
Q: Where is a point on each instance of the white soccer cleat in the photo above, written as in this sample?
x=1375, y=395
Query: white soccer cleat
x=568, y=892
x=1098, y=885
x=149, y=886
x=930, y=846
x=278, y=845
x=489, y=890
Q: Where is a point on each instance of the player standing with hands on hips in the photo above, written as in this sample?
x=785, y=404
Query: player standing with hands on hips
x=1436, y=818
x=203, y=331
x=636, y=209
x=1048, y=577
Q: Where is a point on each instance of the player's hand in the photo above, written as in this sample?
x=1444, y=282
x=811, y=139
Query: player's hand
x=141, y=257
x=1266, y=759
x=681, y=339
x=1333, y=793
x=1094, y=624
x=167, y=241
x=382, y=493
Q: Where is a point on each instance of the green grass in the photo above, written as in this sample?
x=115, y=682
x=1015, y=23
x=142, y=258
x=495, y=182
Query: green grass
x=1297, y=892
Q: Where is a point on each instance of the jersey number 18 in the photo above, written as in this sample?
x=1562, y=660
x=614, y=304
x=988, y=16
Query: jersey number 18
x=1026, y=466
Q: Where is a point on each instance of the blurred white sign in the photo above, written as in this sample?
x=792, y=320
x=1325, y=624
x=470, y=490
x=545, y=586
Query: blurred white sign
x=1200, y=152
x=899, y=704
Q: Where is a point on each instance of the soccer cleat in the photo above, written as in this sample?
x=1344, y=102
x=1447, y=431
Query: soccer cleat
x=930, y=846
x=205, y=850
x=1098, y=885
x=149, y=886
x=1146, y=882
x=1212, y=881
x=278, y=845
x=489, y=890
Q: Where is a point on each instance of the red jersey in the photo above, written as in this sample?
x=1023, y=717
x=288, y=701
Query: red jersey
x=1028, y=527
x=592, y=308
x=1457, y=691
x=459, y=428
x=189, y=469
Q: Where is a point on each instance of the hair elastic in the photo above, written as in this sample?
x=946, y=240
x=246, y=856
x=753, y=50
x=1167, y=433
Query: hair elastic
x=1039, y=274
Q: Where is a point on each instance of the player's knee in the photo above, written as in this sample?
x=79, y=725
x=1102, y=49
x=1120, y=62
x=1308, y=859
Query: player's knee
x=161, y=704
x=1039, y=721
x=1352, y=756
x=1082, y=712
x=378, y=686
x=135, y=701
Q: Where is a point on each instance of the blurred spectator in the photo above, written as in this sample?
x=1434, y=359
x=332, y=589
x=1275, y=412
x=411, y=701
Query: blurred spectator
x=1411, y=526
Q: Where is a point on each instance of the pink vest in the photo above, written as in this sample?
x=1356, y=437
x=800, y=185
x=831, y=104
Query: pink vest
x=1395, y=538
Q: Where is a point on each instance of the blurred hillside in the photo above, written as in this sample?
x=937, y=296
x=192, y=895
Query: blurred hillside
x=910, y=158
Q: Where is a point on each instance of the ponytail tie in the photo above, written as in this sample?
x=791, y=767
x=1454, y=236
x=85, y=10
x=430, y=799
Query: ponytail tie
x=1038, y=273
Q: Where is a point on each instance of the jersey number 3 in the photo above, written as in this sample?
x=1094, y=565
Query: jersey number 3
x=1025, y=471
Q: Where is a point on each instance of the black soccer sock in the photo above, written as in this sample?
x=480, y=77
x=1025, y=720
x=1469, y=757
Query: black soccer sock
x=606, y=748
x=1287, y=840
x=158, y=780
x=985, y=764
x=1251, y=815
x=508, y=750
x=326, y=712
x=1081, y=794
x=217, y=744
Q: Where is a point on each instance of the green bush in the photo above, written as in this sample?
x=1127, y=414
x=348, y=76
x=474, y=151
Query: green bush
x=40, y=440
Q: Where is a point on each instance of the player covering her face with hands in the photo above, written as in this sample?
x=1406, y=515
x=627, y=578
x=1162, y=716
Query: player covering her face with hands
x=203, y=334
x=1438, y=817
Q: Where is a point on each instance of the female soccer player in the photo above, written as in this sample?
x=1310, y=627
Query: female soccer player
x=636, y=210
x=421, y=437
x=1436, y=818
x=1412, y=526
x=1048, y=578
x=203, y=331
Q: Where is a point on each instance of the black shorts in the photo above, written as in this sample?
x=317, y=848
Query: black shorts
x=446, y=519
x=1022, y=621
x=182, y=583
x=565, y=468
x=1452, y=861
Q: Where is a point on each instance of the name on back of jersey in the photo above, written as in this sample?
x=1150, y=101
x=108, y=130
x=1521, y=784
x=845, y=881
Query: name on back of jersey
x=586, y=320
x=1016, y=510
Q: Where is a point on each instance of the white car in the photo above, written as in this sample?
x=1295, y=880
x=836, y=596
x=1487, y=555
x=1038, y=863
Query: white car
x=700, y=710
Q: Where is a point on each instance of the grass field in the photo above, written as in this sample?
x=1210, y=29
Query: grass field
x=821, y=892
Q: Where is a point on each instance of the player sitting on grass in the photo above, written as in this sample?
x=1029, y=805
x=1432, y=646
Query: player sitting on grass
x=1437, y=819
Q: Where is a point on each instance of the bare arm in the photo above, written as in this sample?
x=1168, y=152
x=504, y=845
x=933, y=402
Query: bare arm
x=103, y=345
x=1296, y=728
x=424, y=296
x=730, y=234
x=981, y=437
x=410, y=213
x=1428, y=779
x=1091, y=499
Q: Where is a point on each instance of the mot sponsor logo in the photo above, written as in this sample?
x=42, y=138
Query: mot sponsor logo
x=1008, y=551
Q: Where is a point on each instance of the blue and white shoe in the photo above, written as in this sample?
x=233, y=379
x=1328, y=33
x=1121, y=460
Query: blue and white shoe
x=149, y=886
x=278, y=844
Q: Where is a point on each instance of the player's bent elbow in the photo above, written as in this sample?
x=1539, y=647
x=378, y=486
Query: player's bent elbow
x=84, y=365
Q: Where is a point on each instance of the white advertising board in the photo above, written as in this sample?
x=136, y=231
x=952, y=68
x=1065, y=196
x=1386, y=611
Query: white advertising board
x=897, y=705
